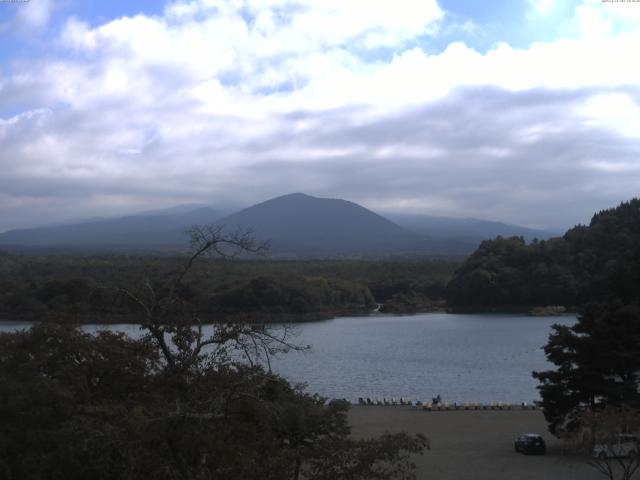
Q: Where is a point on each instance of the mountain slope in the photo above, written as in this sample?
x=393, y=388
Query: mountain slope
x=302, y=224
x=465, y=228
x=587, y=264
x=294, y=224
x=138, y=230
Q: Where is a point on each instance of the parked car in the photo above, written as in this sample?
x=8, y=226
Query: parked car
x=530, y=443
x=622, y=445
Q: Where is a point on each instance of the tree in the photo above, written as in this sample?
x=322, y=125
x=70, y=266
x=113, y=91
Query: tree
x=588, y=263
x=605, y=440
x=598, y=365
x=184, y=401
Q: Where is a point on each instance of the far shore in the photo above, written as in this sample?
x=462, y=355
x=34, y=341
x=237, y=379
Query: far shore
x=474, y=445
x=255, y=317
x=247, y=318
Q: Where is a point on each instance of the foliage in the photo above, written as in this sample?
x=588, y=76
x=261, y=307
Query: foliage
x=388, y=458
x=176, y=403
x=67, y=288
x=598, y=365
x=589, y=263
x=290, y=294
x=411, y=302
x=602, y=440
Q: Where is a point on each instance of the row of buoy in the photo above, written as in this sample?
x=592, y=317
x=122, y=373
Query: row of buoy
x=431, y=407
x=385, y=401
x=443, y=406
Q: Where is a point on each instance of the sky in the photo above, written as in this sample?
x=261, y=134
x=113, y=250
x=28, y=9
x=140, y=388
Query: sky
x=522, y=111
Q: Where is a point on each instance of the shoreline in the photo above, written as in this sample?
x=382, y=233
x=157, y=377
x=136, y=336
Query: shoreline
x=268, y=318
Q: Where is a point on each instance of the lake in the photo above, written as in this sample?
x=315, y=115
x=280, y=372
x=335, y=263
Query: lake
x=476, y=358
x=464, y=358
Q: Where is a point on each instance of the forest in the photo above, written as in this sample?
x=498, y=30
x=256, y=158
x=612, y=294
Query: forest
x=81, y=289
x=175, y=403
x=596, y=262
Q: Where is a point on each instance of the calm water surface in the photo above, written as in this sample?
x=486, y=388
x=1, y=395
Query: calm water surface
x=478, y=358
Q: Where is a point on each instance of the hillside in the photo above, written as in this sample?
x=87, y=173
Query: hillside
x=142, y=230
x=588, y=263
x=295, y=225
x=302, y=224
x=472, y=230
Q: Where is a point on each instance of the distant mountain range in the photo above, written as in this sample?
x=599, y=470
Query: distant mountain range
x=296, y=225
x=152, y=229
x=471, y=229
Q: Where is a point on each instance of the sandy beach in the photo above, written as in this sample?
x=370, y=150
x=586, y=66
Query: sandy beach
x=474, y=445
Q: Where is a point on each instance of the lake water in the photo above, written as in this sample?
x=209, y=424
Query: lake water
x=475, y=358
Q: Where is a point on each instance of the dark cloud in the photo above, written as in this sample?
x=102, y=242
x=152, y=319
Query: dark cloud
x=522, y=157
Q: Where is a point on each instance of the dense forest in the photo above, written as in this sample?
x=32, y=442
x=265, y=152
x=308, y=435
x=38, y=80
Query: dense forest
x=85, y=288
x=589, y=263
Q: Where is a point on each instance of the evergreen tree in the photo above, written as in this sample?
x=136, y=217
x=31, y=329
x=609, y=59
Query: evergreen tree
x=598, y=365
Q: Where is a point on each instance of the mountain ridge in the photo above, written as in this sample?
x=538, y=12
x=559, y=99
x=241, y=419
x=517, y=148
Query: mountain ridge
x=439, y=226
x=299, y=223
x=295, y=224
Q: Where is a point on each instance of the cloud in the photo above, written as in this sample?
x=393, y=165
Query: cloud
x=245, y=100
x=542, y=7
x=30, y=15
x=35, y=14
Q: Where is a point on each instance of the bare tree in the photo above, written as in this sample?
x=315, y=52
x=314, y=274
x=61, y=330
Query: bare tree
x=185, y=402
x=609, y=438
x=178, y=332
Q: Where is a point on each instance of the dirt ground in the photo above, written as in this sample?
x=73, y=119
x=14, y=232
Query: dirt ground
x=474, y=445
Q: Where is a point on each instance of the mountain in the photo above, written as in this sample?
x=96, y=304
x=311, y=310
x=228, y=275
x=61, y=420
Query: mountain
x=469, y=229
x=150, y=229
x=295, y=225
x=304, y=225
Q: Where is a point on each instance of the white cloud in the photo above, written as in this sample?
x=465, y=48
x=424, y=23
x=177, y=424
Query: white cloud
x=192, y=103
x=592, y=22
x=542, y=7
x=627, y=12
x=287, y=58
x=617, y=112
x=33, y=14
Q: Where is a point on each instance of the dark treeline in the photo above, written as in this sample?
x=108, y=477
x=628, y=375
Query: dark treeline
x=596, y=363
x=84, y=288
x=589, y=263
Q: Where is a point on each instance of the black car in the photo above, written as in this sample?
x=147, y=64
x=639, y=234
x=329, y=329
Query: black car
x=530, y=443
